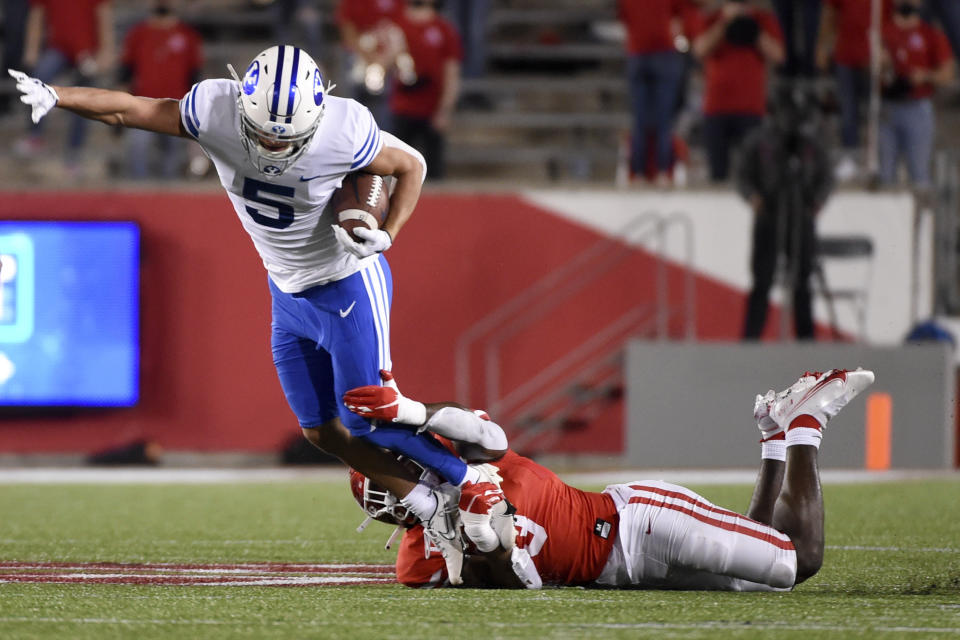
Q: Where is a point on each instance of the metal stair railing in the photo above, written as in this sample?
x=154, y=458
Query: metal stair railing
x=520, y=301
x=502, y=405
x=492, y=362
x=526, y=427
x=538, y=299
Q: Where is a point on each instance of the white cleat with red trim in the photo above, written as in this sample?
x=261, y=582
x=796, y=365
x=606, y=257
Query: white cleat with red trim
x=763, y=406
x=820, y=400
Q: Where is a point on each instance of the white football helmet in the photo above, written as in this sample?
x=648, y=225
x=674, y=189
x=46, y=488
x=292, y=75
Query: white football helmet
x=281, y=104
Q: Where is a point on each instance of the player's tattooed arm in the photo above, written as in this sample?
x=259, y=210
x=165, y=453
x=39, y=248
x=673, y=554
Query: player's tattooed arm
x=118, y=108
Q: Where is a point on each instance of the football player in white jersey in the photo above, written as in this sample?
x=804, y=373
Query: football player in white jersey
x=281, y=145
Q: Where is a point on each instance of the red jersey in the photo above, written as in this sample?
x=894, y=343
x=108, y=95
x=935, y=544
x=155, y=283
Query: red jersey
x=71, y=26
x=736, y=75
x=920, y=47
x=693, y=19
x=431, y=45
x=367, y=14
x=164, y=60
x=569, y=533
x=853, y=31
x=648, y=24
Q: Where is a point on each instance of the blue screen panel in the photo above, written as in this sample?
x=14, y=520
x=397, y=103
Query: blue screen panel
x=69, y=314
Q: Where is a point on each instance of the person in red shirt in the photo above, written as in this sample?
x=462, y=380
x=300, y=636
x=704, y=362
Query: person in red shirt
x=67, y=35
x=162, y=58
x=423, y=106
x=371, y=42
x=654, y=72
x=542, y=531
x=845, y=40
x=916, y=60
x=736, y=47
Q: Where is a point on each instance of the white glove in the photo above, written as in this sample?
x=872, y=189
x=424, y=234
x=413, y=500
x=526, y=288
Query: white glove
x=373, y=241
x=487, y=517
x=41, y=97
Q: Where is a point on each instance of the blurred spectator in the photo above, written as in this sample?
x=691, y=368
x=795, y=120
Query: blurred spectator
x=371, y=42
x=800, y=21
x=470, y=18
x=916, y=60
x=739, y=41
x=948, y=13
x=784, y=174
x=14, y=27
x=162, y=58
x=654, y=72
x=297, y=22
x=422, y=108
x=845, y=39
x=693, y=20
x=68, y=35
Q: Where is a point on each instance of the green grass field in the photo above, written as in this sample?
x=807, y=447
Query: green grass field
x=892, y=570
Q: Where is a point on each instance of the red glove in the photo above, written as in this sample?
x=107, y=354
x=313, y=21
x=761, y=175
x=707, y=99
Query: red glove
x=385, y=402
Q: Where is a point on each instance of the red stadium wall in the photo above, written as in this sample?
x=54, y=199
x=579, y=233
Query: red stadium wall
x=207, y=379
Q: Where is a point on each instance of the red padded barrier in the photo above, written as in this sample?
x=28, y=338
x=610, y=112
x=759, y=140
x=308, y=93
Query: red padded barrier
x=208, y=383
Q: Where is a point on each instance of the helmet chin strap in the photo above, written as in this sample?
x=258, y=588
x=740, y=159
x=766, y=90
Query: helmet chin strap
x=233, y=72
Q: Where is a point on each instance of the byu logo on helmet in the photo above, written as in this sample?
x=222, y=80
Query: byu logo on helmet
x=317, y=87
x=279, y=129
x=250, y=80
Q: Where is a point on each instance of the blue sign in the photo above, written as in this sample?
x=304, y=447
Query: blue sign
x=69, y=314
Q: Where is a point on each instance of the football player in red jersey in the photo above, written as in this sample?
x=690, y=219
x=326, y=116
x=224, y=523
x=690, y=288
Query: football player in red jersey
x=639, y=534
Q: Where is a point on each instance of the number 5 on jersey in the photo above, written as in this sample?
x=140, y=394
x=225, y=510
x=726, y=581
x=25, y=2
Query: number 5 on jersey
x=259, y=192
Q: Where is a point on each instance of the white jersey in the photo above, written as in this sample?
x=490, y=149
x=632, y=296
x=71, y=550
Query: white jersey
x=285, y=216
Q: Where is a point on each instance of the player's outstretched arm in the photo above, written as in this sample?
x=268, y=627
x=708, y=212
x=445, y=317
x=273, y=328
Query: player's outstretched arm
x=110, y=107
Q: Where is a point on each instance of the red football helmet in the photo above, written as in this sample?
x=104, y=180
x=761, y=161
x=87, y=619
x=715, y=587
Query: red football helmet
x=378, y=503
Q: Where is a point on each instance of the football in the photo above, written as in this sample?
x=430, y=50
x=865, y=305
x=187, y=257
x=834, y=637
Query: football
x=361, y=201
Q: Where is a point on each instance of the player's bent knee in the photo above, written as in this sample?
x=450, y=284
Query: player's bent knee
x=808, y=564
x=783, y=573
x=331, y=437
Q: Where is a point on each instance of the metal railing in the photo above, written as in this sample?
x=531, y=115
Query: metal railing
x=507, y=321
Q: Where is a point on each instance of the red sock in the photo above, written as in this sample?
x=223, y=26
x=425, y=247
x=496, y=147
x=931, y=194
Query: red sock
x=805, y=429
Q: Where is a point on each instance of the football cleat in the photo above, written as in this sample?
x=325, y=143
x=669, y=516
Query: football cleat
x=443, y=530
x=762, y=406
x=822, y=399
x=488, y=473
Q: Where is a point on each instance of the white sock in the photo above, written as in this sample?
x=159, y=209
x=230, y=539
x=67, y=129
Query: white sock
x=805, y=430
x=472, y=475
x=421, y=502
x=773, y=450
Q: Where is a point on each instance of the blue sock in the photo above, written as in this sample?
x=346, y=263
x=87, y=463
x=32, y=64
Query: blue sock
x=422, y=448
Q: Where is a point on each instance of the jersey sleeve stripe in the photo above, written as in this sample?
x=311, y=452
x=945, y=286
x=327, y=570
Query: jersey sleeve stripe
x=366, y=143
x=371, y=152
x=185, y=116
x=193, y=107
